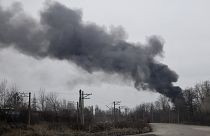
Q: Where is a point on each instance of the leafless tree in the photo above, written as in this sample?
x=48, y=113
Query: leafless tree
x=52, y=102
x=13, y=98
x=42, y=99
x=3, y=90
x=34, y=103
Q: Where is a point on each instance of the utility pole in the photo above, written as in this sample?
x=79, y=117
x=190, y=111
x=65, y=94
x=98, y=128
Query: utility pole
x=169, y=115
x=29, y=105
x=29, y=108
x=77, y=114
x=119, y=115
x=80, y=106
x=82, y=96
x=115, y=103
x=82, y=111
x=126, y=111
x=178, y=117
x=119, y=112
x=114, y=112
x=152, y=115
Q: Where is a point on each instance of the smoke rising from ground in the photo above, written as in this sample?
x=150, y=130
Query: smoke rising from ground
x=62, y=34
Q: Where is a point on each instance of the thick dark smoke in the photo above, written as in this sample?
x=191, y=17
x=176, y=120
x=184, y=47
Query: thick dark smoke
x=62, y=34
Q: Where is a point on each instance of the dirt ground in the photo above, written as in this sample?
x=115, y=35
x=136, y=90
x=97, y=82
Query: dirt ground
x=164, y=129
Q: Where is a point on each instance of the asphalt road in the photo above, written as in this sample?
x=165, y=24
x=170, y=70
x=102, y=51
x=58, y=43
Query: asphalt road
x=163, y=129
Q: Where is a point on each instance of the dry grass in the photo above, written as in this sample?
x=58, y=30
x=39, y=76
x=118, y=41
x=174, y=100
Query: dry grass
x=45, y=130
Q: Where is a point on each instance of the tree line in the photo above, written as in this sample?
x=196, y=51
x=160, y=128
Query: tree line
x=194, y=108
x=47, y=107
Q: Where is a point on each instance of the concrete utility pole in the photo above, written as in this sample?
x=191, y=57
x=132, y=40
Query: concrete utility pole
x=119, y=111
x=120, y=108
x=126, y=111
x=169, y=115
x=115, y=103
x=29, y=108
x=178, y=117
x=77, y=113
x=152, y=115
x=82, y=96
x=82, y=111
x=80, y=106
x=29, y=105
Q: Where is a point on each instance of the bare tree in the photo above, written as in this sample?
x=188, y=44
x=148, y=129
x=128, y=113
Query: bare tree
x=34, y=103
x=191, y=102
x=42, y=99
x=3, y=90
x=164, y=103
x=13, y=98
x=202, y=92
x=52, y=102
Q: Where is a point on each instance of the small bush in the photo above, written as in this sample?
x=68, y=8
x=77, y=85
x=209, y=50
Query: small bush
x=102, y=126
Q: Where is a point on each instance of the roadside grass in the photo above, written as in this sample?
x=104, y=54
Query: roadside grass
x=45, y=129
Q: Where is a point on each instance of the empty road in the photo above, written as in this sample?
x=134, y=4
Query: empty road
x=163, y=129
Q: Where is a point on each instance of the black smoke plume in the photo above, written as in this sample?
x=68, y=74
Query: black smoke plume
x=62, y=34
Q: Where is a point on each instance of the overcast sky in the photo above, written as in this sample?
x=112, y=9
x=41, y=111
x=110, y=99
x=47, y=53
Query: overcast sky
x=184, y=26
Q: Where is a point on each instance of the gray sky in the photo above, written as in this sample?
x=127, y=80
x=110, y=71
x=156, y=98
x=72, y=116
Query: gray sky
x=184, y=25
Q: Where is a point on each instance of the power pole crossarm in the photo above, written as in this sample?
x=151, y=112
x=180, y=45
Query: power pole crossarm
x=86, y=95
